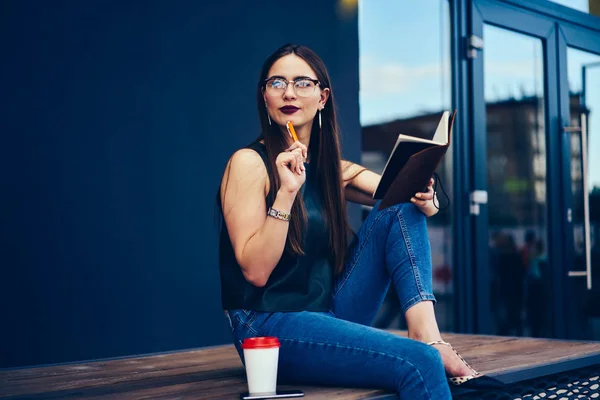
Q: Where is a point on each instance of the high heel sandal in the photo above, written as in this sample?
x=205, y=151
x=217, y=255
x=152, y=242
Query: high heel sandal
x=476, y=380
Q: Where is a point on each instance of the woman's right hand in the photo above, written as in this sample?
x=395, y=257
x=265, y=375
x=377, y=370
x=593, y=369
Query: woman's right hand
x=290, y=166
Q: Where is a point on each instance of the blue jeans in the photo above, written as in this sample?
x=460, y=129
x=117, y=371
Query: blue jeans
x=340, y=347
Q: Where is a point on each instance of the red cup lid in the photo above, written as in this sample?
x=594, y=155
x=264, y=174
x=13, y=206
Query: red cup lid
x=260, y=342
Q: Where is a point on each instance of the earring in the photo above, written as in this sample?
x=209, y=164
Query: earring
x=267, y=110
x=320, y=125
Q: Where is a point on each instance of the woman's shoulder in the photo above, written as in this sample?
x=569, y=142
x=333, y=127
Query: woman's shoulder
x=247, y=164
x=246, y=159
x=252, y=151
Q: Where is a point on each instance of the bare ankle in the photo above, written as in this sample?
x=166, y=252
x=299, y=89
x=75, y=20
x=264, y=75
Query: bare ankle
x=424, y=336
x=422, y=325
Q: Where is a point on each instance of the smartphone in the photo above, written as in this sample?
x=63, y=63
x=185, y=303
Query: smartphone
x=280, y=394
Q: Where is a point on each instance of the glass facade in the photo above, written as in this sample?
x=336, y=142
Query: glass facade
x=512, y=263
x=405, y=85
x=516, y=181
x=579, y=5
x=583, y=70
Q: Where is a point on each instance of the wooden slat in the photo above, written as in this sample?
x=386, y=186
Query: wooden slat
x=217, y=373
x=497, y=356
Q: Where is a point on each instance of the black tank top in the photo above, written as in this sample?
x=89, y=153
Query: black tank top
x=298, y=282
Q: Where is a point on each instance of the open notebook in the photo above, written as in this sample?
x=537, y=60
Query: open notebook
x=412, y=163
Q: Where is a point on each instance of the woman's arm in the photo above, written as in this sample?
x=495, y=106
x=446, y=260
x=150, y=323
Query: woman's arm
x=258, y=241
x=356, y=196
x=360, y=184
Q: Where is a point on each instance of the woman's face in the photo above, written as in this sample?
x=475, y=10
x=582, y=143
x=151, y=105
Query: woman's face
x=296, y=104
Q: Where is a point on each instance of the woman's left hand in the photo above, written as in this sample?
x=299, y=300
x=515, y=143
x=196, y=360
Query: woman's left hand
x=424, y=200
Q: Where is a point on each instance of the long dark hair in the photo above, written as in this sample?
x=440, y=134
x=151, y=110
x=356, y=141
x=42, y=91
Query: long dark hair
x=325, y=154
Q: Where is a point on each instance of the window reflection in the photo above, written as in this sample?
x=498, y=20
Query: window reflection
x=580, y=5
x=584, y=78
x=404, y=88
x=516, y=183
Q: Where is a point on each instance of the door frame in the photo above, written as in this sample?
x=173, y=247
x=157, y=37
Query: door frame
x=519, y=20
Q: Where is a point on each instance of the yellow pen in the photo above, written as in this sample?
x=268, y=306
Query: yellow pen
x=291, y=131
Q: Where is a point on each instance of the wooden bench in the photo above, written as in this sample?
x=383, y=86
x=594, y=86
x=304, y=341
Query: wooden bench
x=217, y=373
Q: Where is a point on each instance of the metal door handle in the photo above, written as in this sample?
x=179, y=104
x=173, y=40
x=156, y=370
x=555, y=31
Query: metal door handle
x=586, y=203
x=477, y=197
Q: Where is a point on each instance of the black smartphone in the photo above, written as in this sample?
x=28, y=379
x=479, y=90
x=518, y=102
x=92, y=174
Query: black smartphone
x=280, y=394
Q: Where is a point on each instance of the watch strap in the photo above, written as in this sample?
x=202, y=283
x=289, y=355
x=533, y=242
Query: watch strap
x=278, y=214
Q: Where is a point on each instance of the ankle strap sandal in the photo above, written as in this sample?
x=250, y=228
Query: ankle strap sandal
x=476, y=380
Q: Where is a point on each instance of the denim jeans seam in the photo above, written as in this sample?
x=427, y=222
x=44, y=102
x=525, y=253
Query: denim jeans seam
x=247, y=324
x=409, y=250
x=361, y=349
x=251, y=329
x=360, y=250
x=416, y=299
x=252, y=317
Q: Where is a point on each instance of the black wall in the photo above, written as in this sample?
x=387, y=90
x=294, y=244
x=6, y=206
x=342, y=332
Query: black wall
x=116, y=120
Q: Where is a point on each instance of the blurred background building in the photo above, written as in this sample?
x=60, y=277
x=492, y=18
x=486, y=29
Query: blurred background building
x=119, y=116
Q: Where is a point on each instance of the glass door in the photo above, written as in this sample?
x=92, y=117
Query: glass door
x=515, y=107
x=535, y=172
x=580, y=108
x=512, y=203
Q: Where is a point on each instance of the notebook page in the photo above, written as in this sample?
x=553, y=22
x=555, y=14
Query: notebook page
x=441, y=133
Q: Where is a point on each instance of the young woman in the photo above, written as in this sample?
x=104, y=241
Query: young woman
x=291, y=267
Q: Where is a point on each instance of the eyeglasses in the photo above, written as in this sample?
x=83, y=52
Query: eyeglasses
x=303, y=87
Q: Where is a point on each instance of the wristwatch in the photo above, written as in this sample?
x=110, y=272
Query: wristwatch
x=278, y=214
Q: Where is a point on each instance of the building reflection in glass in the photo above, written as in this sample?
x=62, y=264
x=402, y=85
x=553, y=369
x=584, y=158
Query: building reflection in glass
x=520, y=283
x=404, y=87
x=584, y=80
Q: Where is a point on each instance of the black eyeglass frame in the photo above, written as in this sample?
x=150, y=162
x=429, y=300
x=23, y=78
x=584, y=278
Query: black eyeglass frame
x=305, y=78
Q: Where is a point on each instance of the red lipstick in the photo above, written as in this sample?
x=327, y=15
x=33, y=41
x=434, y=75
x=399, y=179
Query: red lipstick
x=288, y=109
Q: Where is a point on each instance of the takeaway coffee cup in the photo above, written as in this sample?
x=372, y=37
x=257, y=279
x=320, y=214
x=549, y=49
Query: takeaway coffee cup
x=261, y=355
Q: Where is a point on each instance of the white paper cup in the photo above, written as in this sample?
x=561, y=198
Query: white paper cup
x=261, y=355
